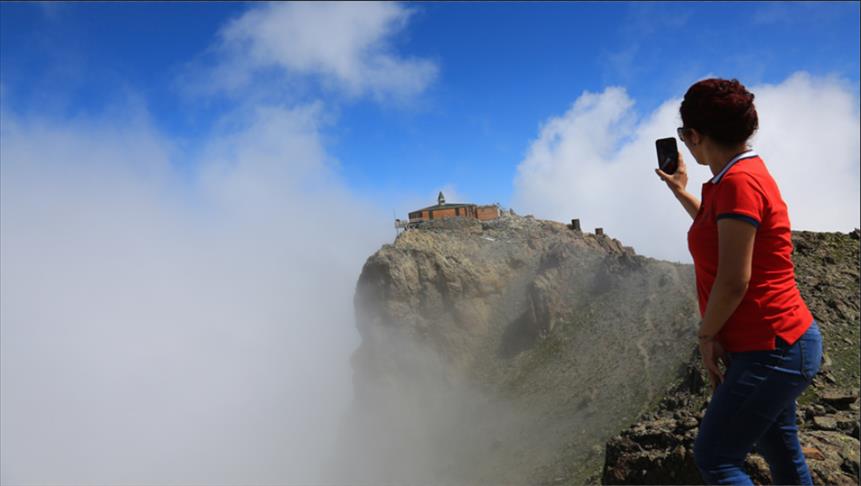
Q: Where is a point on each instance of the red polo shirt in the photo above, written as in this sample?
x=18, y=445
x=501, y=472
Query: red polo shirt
x=772, y=306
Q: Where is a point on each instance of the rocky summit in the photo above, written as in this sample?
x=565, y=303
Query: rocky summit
x=515, y=351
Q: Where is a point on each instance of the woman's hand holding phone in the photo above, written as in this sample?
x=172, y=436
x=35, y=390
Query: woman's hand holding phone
x=678, y=181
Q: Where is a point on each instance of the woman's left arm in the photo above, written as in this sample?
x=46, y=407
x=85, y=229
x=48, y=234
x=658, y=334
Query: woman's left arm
x=735, y=256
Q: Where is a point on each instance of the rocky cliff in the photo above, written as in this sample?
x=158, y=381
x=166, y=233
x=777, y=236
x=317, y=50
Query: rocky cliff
x=507, y=352
x=658, y=449
x=512, y=351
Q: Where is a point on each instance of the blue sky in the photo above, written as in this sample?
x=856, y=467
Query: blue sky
x=189, y=191
x=502, y=70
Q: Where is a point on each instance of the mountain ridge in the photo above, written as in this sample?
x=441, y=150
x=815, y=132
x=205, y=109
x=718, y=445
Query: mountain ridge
x=508, y=351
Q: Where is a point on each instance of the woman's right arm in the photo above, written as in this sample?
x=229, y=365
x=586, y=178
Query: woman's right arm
x=689, y=202
x=677, y=183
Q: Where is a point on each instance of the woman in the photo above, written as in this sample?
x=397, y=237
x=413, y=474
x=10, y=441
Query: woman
x=753, y=317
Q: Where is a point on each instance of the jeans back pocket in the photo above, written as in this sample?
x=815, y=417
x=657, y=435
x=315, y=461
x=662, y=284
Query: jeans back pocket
x=810, y=345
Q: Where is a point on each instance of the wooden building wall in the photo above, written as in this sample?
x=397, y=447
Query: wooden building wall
x=482, y=213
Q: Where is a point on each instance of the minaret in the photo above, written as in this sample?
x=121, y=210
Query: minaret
x=440, y=199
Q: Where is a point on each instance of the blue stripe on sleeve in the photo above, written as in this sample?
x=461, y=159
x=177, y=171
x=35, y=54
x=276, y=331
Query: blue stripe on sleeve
x=740, y=217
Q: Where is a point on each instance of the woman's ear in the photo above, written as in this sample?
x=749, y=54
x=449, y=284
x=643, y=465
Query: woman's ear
x=694, y=137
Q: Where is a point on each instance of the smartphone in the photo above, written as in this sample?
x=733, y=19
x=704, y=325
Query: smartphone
x=668, y=155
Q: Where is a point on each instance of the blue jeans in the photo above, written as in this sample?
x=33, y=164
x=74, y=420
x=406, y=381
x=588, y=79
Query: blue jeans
x=755, y=407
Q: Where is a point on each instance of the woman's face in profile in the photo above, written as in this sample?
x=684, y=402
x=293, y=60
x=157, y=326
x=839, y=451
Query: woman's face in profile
x=693, y=140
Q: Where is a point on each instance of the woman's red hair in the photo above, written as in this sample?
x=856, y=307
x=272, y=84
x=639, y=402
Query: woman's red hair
x=721, y=109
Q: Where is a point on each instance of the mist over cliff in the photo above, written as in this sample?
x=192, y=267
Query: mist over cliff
x=506, y=351
x=514, y=351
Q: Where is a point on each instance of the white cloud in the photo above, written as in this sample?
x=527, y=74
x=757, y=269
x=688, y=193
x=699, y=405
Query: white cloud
x=158, y=330
x=172, y=317
x=346, y=45
x=596, y=162
x=810, y=142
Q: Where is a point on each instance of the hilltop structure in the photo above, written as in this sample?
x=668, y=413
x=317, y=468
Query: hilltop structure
x=443, y=210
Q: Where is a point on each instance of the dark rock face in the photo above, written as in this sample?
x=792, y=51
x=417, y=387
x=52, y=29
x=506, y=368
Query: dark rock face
x=507, y=352
x=658, y=449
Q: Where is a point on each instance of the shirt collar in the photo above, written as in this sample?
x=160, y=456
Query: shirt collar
x=744, y=155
